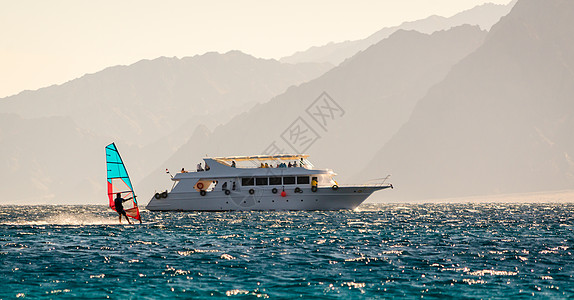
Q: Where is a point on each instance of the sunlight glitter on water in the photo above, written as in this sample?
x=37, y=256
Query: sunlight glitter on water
x=430, y=250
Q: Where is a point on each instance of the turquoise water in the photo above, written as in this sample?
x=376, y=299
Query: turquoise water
x=379, y=251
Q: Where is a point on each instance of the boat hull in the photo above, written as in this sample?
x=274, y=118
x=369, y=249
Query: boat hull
x=324, y=198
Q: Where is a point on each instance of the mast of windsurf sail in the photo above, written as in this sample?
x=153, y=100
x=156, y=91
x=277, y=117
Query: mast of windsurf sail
x=119, y=182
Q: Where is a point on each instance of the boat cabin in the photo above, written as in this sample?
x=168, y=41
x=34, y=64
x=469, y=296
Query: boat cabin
x=254, y=173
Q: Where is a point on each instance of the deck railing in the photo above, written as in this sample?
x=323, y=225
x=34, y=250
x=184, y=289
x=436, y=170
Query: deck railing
x=379, y=182
x=272, y=164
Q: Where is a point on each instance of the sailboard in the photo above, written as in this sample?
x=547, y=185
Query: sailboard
x=119, y=182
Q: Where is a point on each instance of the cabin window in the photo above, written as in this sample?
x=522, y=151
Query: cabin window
x=247, y=181
x=303, y=180
x=261, y=181
x=274, y=180
x=289, y=180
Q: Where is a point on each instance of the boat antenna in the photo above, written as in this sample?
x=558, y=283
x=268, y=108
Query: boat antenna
x=167, y=171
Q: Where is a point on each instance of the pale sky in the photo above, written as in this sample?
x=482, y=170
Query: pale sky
x=51, y=42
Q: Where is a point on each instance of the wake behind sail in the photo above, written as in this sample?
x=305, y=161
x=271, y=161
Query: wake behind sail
x=119, y=182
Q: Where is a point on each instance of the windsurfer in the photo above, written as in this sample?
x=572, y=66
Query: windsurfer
x=119, y=204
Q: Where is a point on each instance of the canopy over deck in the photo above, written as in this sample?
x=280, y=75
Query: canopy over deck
x=262, y=157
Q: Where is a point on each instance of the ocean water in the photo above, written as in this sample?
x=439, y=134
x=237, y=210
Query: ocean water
x=466, y=251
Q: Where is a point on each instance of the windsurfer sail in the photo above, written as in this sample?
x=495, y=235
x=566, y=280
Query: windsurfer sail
x=119, y=183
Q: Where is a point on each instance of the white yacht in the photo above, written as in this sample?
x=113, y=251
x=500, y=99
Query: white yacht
x=262, y=182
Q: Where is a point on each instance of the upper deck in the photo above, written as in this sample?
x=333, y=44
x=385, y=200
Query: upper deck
x=257, y=165
x=256, y=161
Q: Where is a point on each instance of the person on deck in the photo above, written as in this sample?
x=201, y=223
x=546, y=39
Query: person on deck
x=233, y=164
x=199, y=167
x=119, y=204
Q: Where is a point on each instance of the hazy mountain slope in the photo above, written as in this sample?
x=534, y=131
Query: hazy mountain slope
x=149, y=108
x=501, y=121
x=372, y=96
x=149, y=99
x=484, y=16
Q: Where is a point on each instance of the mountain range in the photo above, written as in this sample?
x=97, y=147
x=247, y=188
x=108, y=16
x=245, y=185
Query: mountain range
x=502, y=119
x=484, y=15
x=449, y=113
x=51, y=140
